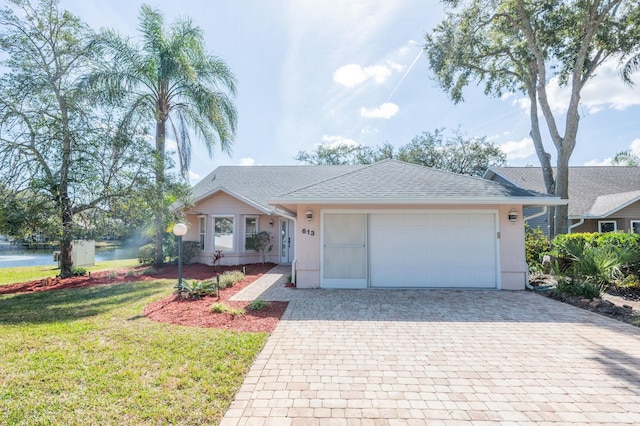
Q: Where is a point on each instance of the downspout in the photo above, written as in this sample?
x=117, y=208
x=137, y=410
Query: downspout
x=295, y=242
x=575, y=225
x=540, y=213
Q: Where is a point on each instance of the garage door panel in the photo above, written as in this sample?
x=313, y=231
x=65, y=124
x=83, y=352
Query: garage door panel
x=433, y=250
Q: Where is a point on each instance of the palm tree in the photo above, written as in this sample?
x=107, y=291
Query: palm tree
x=627, y=158
x=172, y=79
x=632, y=65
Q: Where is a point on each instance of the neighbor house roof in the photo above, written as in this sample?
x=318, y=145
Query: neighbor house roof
x=396, y=182
x=594, y=191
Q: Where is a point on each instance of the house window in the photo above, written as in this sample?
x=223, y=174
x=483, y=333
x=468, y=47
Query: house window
x=223, y=233
x=202, y=230
x=607, y=226
x=635, y=226
x=250, y=231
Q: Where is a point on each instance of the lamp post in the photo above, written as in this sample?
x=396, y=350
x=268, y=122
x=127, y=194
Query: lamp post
x=179, y=230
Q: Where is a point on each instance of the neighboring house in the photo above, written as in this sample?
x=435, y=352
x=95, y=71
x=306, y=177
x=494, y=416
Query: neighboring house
x=389, y=224
x=601, y=198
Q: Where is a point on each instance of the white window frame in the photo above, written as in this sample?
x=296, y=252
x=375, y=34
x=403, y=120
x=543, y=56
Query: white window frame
x=246, y=234
x=233, y=231
x=602, y=222
x=202, y=231
x=634, y=222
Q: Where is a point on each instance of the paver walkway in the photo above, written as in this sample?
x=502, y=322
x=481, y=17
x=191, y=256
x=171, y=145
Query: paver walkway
x=417, y=357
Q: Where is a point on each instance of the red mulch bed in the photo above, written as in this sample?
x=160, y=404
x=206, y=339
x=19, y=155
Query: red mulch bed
x=172, y=309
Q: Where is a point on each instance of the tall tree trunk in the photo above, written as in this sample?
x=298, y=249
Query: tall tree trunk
x=543, y=156
x=66, y=262
x=562, y=191
x=159, y=219
x=66, y=259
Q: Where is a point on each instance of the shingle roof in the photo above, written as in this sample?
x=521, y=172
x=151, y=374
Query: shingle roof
x=396, y=181
x=594, y=191
x=259, y=183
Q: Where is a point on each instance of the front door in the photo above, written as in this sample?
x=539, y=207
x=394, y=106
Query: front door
x=286, y=241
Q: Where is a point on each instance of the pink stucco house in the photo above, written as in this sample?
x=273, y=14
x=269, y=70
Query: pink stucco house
x=388, y=224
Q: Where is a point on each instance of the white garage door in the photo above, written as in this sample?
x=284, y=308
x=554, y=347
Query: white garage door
x=443, y=249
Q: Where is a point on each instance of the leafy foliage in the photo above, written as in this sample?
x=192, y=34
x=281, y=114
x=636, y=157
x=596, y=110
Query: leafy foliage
x=536, y=245
x=198, y=289
x=260, y=242
x=581, y=288
x=222, y=308
x=258, y=304
x=230, y=278
x=519, y=46
x=458, y=154
x=146, y=254
x=169, y=79
x=59, y=155
x=598, y=257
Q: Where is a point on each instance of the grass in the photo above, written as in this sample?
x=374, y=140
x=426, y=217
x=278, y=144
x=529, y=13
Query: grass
x=30, y=273
x=87, y=356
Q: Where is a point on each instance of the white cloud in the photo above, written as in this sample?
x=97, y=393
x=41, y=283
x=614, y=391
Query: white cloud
x=634, y=148
x=395, y=67
x=410, y=46
x=193, y=176
x=518, y=150
x=605, y=90
x=606, y=162
x=353, y=74
x=247, y=161
x=332, y=141
x=368, y=129
x=386, y=110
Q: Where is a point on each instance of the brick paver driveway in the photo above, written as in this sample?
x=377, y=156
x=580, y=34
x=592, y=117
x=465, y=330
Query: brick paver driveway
x=396, y=357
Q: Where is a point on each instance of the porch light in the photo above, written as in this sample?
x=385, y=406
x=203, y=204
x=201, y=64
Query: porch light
x=309, y=215
x=513, y=215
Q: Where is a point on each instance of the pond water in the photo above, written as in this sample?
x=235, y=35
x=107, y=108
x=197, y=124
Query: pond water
x=11, y=255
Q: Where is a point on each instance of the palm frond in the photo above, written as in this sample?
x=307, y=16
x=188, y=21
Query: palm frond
x=632, y=65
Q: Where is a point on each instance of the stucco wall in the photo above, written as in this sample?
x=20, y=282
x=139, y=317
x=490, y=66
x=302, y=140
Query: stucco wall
x=224, y=204
x=513, y=266
x=511, y=256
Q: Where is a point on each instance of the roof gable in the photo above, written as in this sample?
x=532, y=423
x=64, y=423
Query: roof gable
x=257, y=184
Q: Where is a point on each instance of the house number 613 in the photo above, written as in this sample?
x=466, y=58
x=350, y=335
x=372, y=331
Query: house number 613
x=309, y=232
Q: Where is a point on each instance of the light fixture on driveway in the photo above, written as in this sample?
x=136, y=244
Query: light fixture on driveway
x=179, y=230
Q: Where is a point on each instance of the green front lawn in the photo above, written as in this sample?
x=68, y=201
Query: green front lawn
x=29, y=273
x=87, y=356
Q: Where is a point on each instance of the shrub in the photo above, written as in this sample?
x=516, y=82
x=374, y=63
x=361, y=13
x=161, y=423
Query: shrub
x=147, y=254
x=221, y=308
x=79, y=271
x=536, y=244
x=197, y=289
x=260, y=242
x=190, y=249
x=258, y=304
x=148, y=271
x=230, y=278
x=602, y=258
x=580, y=288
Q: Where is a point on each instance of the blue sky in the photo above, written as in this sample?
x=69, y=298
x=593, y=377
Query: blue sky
x=330, y=71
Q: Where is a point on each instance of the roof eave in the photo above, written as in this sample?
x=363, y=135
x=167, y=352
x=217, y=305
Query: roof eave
x=528, y=201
